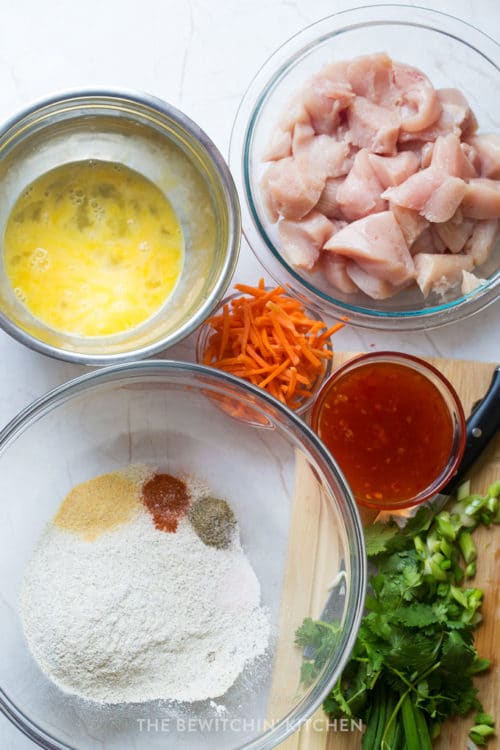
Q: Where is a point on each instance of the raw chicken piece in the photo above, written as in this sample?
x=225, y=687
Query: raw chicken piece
x=323, y=100
x=472, y=165
x=370, y=76
x=328, y=204
x=371, y=285
x=458, y=107
x=393, y=170
x=267, y=199
x=327, y=156
x=342, y=133
x=303, y=133
x=302, y=240
x=455, y=232
x=445, y=200
x=419, y=105
x=426, y=155
x=291, y=188
x=456, y=117
x=472, y=157
x=279, y=146
x=482, y=241
x=439, y=245
x=426, y=243
x=336, y=71
x=280, y=142
x=295, y=113
x=448, y=156
x=470, y=282
x=411, y=223
x=487, y=148
x=482, y=199
x=377, y=243
x=415, y=191
x=434, y=195
x=397, y=139
x=421, y=149
x=333, y=267
x=373, y=127
x=439, y=273
x=359, y=193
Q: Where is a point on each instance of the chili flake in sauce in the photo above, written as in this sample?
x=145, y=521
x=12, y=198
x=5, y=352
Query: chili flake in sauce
x=389, y=429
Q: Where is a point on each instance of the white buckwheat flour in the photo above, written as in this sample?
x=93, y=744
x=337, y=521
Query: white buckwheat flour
x=139, y=614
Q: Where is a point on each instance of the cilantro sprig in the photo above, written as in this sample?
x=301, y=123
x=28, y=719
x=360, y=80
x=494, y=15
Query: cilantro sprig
x=414, y=661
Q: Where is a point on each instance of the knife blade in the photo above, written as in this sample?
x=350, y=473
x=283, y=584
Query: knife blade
x=482, y=426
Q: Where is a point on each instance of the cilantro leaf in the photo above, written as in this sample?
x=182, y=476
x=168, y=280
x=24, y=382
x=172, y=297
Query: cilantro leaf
x=417, y=615
x=378, y=536
x=414, y=660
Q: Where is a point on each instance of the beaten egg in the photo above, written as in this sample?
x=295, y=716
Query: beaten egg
x=93, y=248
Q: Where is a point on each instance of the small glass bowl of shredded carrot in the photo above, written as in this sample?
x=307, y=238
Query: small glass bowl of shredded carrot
x=270, y=339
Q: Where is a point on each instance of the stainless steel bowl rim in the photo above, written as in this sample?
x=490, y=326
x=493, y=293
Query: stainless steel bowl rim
x=57, y=396
x=234, y=218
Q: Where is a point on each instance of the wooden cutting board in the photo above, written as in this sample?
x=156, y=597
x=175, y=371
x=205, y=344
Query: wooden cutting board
x=311, y=576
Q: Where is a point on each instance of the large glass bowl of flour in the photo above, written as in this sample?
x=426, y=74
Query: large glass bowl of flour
x=298, y=526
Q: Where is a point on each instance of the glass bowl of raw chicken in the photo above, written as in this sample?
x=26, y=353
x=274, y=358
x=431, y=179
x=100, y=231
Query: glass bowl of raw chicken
x=367, y=153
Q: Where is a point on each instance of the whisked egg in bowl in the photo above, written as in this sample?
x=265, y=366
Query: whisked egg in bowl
x=120, y=227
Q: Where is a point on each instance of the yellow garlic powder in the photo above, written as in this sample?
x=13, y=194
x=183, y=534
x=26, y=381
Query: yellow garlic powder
x=103, y=503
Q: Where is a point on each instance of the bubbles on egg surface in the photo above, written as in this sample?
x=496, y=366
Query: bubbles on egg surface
x=97, y=209
x=21, y=296
x=98, y=227
x=40, y=259
x=75, y=198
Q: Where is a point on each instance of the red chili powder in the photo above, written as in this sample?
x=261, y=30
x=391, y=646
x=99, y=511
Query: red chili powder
x=167, y=499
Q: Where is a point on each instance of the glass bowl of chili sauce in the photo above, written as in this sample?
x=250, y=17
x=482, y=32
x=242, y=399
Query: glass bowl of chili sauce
x=395, y=426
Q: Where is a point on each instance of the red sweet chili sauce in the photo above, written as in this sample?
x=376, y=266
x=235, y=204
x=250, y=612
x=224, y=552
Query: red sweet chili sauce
x=390, y=430
x=167, y=499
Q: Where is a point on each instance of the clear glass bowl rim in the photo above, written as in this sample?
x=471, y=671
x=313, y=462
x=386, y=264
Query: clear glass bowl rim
x=204, y=330
x=430, y=372
x=242, y=133
x=136, y=370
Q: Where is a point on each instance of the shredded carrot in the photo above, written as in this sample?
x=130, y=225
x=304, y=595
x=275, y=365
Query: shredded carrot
x=267, y=337
x=292, y=383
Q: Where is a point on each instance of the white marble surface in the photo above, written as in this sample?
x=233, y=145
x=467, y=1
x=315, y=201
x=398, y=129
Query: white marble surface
x=199, y=55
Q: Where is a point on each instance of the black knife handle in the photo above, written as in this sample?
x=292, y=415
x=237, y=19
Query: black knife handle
x=482, y=426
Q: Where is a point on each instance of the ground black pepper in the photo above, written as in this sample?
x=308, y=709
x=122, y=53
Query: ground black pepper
x=214, y=521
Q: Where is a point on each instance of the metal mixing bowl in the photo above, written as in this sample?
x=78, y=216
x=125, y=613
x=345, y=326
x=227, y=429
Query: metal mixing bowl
x=162, y=144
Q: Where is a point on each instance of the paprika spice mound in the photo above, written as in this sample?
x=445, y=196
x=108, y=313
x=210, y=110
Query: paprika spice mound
x=167, y=499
